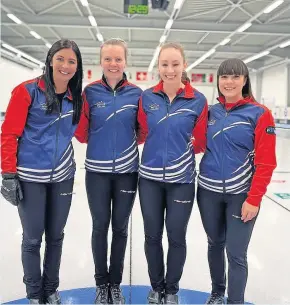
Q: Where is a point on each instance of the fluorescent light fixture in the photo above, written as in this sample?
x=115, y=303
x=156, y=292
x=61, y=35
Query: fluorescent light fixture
x=201, y=59
x=256, y=56
x=18, y=57
x=14, y=18
x=151, y=66
x=28, y=62
x=162, y=38
x=92, y=20
x=225, y=41
x=178, y=4
x=100, y=37
x=48, y=45
x=8, y=47
x=284, y=44
x=84, y=2
x=169, y=24
x=244, y=27
x=272, y=6
x=35, y=35
x=8, y=53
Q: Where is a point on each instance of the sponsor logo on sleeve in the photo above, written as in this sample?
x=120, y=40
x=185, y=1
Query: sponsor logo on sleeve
x=271, y=130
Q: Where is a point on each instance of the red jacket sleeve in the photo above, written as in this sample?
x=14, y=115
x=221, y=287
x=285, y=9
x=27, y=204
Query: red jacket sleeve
x=13, y=126
x=199, y=131
x=265, y=158
x=82, y=131
x=142, y=124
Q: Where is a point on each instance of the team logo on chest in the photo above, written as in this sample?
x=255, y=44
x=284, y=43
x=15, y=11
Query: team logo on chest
x=211, y=122
x=100, y=104
x=43, y=106
x=154, y=107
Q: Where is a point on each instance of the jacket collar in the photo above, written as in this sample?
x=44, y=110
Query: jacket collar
x=122, y=83
x=186, y=92
x=41, y=85
x=243, y=101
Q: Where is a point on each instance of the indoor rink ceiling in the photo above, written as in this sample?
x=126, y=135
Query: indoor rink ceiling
x=257, y=31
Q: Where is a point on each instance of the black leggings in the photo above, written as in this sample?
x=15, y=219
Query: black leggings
x=177, y=200
x=221, y=218
x=44, y=208
x=102, y=191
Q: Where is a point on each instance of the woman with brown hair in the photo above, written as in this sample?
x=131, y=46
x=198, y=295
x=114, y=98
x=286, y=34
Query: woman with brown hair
x=173, y=119
x=234, y=174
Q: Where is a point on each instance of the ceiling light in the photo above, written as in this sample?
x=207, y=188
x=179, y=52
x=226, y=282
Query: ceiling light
x=256, y=56
x=35, y=35
x=92, y=20
x=100, y=37
x=14, y=18
x=151, y=66
x=162, y=38
x=7, y=53
x=169, y=24
x=284, y=44
x=273, y=6
x=84, y=2
x=178, y=4
x=202, y=58
x=244, y=27
x=225, y=41
x=6, y=46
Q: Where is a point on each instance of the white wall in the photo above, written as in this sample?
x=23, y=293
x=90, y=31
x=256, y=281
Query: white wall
x=274, y=85
x=253, y=77
x=11, y=75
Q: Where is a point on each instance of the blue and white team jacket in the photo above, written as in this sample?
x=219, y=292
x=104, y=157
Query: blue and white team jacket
x=108, y=124
x=172, y=132
x=240, y=152
x=35, y=144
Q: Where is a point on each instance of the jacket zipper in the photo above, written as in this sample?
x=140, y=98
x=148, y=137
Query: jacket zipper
x=168, y=105
x=115, y=133
x=166, y=141
x=56, y=144
x=222, y=169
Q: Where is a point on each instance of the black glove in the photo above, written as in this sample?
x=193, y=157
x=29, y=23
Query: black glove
x=11, y=189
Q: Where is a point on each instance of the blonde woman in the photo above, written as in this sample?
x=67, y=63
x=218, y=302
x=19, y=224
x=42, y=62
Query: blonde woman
x=108, y=125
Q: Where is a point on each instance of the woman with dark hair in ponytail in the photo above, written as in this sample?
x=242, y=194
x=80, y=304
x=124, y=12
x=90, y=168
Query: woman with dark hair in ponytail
x=38, y=164
x=173, y=120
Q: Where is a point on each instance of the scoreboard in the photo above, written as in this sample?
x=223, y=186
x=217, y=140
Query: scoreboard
x=136, y=7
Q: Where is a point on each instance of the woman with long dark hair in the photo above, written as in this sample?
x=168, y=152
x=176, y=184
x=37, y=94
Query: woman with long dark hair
x=38, y=164
x=234, y=174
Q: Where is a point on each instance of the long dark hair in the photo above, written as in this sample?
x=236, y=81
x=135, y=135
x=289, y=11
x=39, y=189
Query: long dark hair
x=75, y=83
x=235, y=66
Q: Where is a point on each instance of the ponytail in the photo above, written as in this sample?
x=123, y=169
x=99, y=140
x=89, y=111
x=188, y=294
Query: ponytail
x=184, y=77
